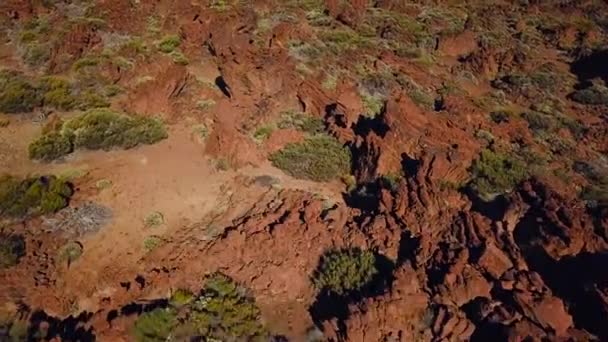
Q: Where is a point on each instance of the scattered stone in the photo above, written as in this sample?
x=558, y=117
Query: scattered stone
x=88, y=218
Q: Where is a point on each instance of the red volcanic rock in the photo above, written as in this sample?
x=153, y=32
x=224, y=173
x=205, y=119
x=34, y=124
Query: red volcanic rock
x=494, y=261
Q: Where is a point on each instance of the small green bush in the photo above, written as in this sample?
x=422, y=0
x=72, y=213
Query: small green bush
x=36, y=195
x=181, y=297
x=179, y=58
x=154, y=219
x=90, y=99
x=594, y=95
x=50, y=147
x=496, y=173
x=98, y=129
x=155, y=325
x=57, y=92
x=344, y=271
x=221, y=312
x=70, y=252
x=12, y=248
x=225, y=312
x=501, y=116
x=373, y=103
x=262, y=133
x=539, y=121
x=319, y=158
x=16, y=94
x=169, y=43
x=302, y=122
x=36, y=54
x=151, y=242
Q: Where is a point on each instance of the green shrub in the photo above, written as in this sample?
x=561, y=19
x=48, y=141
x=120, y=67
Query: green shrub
x=12, y=248
x=50, y=147
x=179, y=58
x=539, y=121
x=36, y=54
x=496, y=173
x=301, y=122
x=391, y=180
x=85, y=62
x=154, y=219
x=501, y=116
x=90, y=99
x=181, y=297
x=594, y=95
x=151, y=242
x=33, y=196
x=222, y=312
x=57, y=92
x=155, y=325
x=169, y=43
x=70, y=252
x=373, y=103
x=262, y=133
x=225, y=312
x=98, y=129
x=344, y=271
x=319, y=158
x=28, y=36
x=16, y=94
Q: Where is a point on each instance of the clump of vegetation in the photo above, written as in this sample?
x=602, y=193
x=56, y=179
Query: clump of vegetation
x=17, y=95
x=593, y=95
x=496, y=173
x=205, y=105
x=179, y=58
x=181, y=297
x=262, y=133
x=538, y=121
x=344, y=271
x=319, y=158
x=71, y=252
x=155, y=325
x=98, y=129
x=221, y=312
x=57, y=93
x=169, y=43
x=33, y=196
x=373, y=103
x=50, y=146
x=151, y=242
x=12, y=248
x=391, y=180
x=501, y=116
x=302, y=122
x=154, y=219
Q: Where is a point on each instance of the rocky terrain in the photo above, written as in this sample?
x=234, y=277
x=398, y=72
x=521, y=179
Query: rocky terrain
x=303, y=170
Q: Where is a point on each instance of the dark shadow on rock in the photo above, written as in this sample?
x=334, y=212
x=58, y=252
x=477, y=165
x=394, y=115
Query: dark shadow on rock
x=578, y=280
x=72, y=328
x=592, y=65
x=365, y=197
x=376, y=124
x=223, y=86
x=408, y=245
x=493, y=209
x=409, y=165
x=329, y=305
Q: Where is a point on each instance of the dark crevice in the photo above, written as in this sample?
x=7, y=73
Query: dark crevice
x=582, y=295
x=223, y=86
